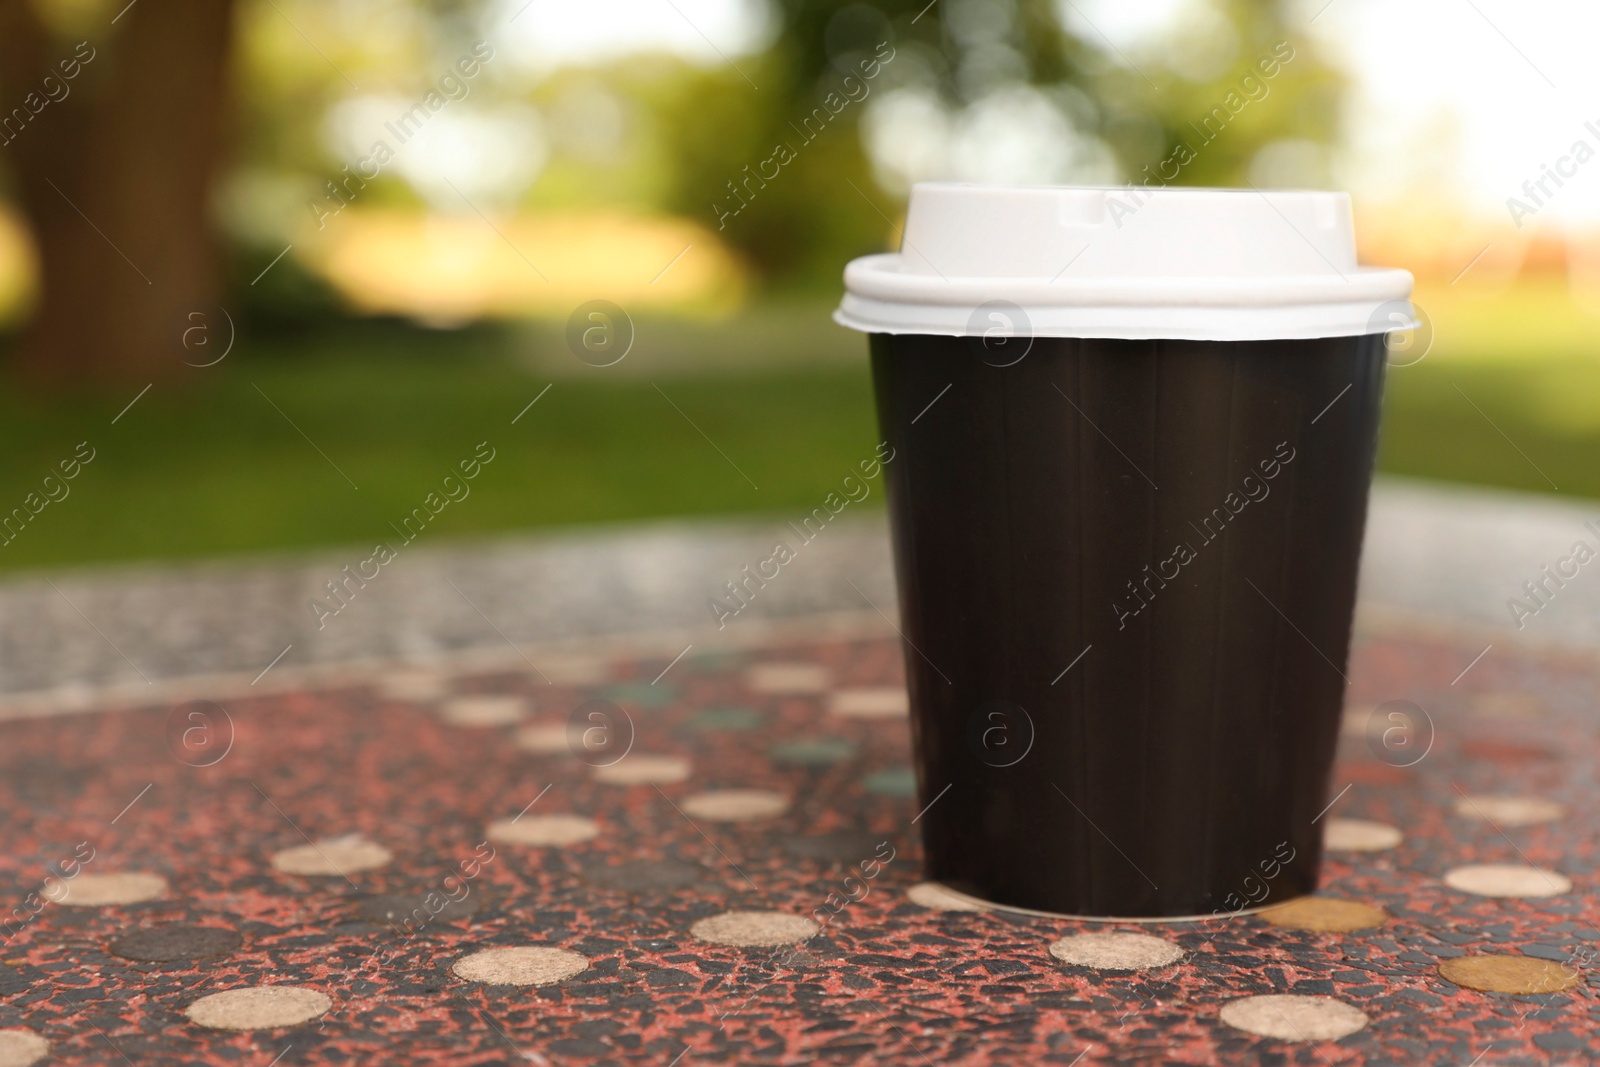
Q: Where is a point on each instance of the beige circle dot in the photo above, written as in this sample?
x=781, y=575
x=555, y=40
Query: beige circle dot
x=258, y=1007
x=484, y=710
x=1507, y=880
x=643, y=768
x=543, y=738
x=1116, y=951
x=1509, y=810
x=1510, y=974
x=888, y=702
x=333, y=855
x=1360, y=835
x=788, y=678
x=99, y=890
x=412, y=685
x=936, y=897
x=539, y=830
x=1325, y=915
x=1291, y=1017
x=1353, y=722
x=21, y=1047
x=755, y=929
x=520, y=965
x=1506, y=705
x=736, y=805
x=574, y=670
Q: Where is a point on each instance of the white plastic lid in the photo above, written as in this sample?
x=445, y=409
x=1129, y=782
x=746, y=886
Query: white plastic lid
x=1201, y=264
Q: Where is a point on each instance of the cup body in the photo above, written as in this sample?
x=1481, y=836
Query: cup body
x=1127, y=575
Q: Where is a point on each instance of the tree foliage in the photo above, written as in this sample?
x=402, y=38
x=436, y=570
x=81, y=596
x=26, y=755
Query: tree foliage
x=192, y=118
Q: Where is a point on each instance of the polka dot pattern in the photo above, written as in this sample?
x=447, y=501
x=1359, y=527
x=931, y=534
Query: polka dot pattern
x=333, y=856
x=176, y=941
x=643, y=694
x=936, y=897
x=1507, y=880
x=625, y=919
x=736, y=805
x=717, y=719
x=892, y=782
x=415, y=686
x=883, y=702
x=813, y=751
x=268, y=1007
x=1508, y=810
x=1353, y=723
x=1510, y=974
x=544, y=739
x=405, y=913
x=642, y=768
x=21, y=1047
x=788, y=678
x=644, y=876
x=104, y=889
x=1360, y=835
x=1116, y=951
x=572, y=670
x=1511, y=706
x=544, y=830
x=484, y=710
x=755, y=929
x=1288, y=1017
x=520, y=966
x=1325, y=915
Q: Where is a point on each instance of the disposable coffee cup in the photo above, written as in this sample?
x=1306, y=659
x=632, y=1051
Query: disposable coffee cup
x=1134, y=433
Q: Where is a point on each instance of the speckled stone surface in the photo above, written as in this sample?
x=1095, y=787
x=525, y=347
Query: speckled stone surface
x=1451, y=553
x=887, y=979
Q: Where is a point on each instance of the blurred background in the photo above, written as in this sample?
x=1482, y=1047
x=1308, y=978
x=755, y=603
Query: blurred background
x=279, y=266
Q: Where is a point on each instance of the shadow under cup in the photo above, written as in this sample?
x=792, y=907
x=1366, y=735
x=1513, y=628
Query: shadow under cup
x=1127, y=575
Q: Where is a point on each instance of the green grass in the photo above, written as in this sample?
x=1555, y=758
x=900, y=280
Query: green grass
x=1531, y=424
x=213, y=468
x=204, y=465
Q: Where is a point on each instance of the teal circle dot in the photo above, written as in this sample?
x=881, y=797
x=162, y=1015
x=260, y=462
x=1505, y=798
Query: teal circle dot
x=892, y=782
x=729, y=718
x=643, y=694
x=709, y=662
x=814, y=751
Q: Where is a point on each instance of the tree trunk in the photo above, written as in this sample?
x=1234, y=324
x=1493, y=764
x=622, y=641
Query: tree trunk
x=116, y=179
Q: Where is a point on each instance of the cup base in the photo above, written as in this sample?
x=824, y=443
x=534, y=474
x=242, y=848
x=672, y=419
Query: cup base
x=990, y=905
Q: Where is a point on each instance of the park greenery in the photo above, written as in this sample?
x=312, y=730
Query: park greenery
x=196, y=160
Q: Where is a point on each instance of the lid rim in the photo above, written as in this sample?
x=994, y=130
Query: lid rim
x=873, y=276
x=1195, y=262
x=1190, y=322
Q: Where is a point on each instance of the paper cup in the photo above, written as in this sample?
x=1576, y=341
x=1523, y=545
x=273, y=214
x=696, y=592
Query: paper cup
x=1126, y=506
